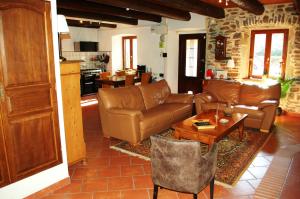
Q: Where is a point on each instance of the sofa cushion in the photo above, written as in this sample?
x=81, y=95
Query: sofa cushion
x=179, y=111
x=253, y=94
x=126, y=97
x=155, y=94
x=252, y=111
x=224, y=91
x=155, y=120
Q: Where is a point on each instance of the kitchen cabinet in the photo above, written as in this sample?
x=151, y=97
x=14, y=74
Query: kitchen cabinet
x=29, y=132
x=70, y=84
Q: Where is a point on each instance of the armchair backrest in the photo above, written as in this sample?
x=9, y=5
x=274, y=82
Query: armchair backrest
x=127, y=97
x=179, y=165
x=253, y=94
x=155, y=93
x=223, y=90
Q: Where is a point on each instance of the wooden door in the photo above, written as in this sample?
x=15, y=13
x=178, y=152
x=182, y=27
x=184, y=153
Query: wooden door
x=191, y=62
x=4, y=174
x=28, y=102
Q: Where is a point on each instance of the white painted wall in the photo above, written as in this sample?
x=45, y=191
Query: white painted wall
x=79, y=34
x=50, y=176
x=148, y=52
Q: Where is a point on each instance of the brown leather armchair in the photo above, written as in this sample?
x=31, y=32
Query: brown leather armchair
x=178, y=165
x=259, y=103
x=135, y=113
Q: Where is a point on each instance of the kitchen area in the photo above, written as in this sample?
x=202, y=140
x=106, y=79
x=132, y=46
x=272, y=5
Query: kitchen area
x=82, y=44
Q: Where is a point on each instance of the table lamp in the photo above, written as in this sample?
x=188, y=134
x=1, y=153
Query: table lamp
x=62, y=28
x=230, y=63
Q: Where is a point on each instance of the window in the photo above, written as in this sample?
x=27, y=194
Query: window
x=129, y=52
x=191, y=60
x=268, y=53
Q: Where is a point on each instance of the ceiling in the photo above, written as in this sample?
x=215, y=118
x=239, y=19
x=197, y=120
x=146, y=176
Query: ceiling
x=130, y=11
x=230, y=4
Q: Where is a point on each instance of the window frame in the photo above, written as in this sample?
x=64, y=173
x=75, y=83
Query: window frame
x=131, y=38
x=268, y=46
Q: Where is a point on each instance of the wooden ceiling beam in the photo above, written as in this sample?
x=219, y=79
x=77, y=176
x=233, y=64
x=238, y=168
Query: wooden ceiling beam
x=105, y=9
x=195, y=6
x=148, y=7
x=253, y=6
x=297, y=6
x=89, y=24
x=100, y=17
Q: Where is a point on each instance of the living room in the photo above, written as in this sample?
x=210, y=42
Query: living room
x=113, y=174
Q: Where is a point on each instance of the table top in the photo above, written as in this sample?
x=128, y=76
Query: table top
x=115, y=78
x=221, y=129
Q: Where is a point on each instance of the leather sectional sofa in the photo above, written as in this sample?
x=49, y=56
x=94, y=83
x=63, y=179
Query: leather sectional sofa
x=258, y=102
x=135, y=113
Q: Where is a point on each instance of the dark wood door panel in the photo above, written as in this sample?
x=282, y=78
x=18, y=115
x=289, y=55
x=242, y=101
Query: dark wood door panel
x=24, y=101
x=29, y=115
x=191, y=83
x=25, y=49
x=31, y=145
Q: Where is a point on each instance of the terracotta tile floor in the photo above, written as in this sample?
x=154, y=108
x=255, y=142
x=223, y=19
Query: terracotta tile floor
x=112, y=175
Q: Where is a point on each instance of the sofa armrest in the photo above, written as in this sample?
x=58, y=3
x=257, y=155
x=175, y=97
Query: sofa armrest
x=124, y=124
x=267, y=103
x=180, y=98
x=202, y=98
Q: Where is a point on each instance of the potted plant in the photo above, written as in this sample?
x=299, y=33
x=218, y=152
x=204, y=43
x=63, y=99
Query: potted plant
x=285, y=87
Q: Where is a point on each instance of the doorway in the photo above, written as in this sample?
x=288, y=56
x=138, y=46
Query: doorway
x=129, y=48
x=191, y=64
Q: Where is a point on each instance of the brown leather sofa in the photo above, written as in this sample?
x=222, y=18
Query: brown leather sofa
x=137, y=112
x=259, y=103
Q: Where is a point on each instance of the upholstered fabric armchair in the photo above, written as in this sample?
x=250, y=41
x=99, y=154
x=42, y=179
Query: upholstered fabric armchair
x=178, y=165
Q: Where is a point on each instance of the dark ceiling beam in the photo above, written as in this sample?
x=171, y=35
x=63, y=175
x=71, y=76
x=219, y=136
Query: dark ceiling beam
x=297, y=6
x=100, y=17
x=253, y=6
x=148, y=7
x=195, y=6
x=89, y=24
x=105, y=9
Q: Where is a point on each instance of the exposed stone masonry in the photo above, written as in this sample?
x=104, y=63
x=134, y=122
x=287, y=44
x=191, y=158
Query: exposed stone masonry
x=237, y=26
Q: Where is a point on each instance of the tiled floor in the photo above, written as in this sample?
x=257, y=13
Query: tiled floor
x=113, y=175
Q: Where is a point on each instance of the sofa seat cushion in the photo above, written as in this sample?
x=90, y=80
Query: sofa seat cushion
x=179, y=111
x=155, y=120
x=252, y=111
x=213, y=105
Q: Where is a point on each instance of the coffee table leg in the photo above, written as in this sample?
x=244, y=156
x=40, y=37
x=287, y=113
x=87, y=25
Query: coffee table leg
x=241, y=131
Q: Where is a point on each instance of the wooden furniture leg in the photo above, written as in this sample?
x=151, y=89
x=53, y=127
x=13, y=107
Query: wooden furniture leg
x=241, y=131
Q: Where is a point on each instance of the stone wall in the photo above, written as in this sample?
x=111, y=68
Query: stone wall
x=237, y=26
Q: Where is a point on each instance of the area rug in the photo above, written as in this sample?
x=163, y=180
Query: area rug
x=234, y=156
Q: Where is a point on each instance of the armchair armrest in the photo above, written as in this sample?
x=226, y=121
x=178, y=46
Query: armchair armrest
x=202, y=98
x=124, y=124
x=267, y=103
x=180, y=98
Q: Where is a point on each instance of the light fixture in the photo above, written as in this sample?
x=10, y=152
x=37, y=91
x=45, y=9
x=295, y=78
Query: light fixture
x=226, y=2
x=62, y=28
x=230, y=63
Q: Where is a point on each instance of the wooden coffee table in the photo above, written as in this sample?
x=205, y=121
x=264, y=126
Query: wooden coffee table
x=184, y=129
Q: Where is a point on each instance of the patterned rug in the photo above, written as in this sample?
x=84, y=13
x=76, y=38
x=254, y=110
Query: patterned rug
x=233, y=159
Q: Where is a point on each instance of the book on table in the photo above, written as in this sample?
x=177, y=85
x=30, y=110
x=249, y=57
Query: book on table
x=203, y=124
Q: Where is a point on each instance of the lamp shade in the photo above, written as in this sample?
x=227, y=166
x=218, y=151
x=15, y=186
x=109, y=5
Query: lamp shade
x=62, y=26
x=230, y=63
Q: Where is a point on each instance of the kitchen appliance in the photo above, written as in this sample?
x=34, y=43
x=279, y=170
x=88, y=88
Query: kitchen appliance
x=86, y=46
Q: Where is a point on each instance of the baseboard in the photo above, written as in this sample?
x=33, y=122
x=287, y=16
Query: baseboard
x=44, y=192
